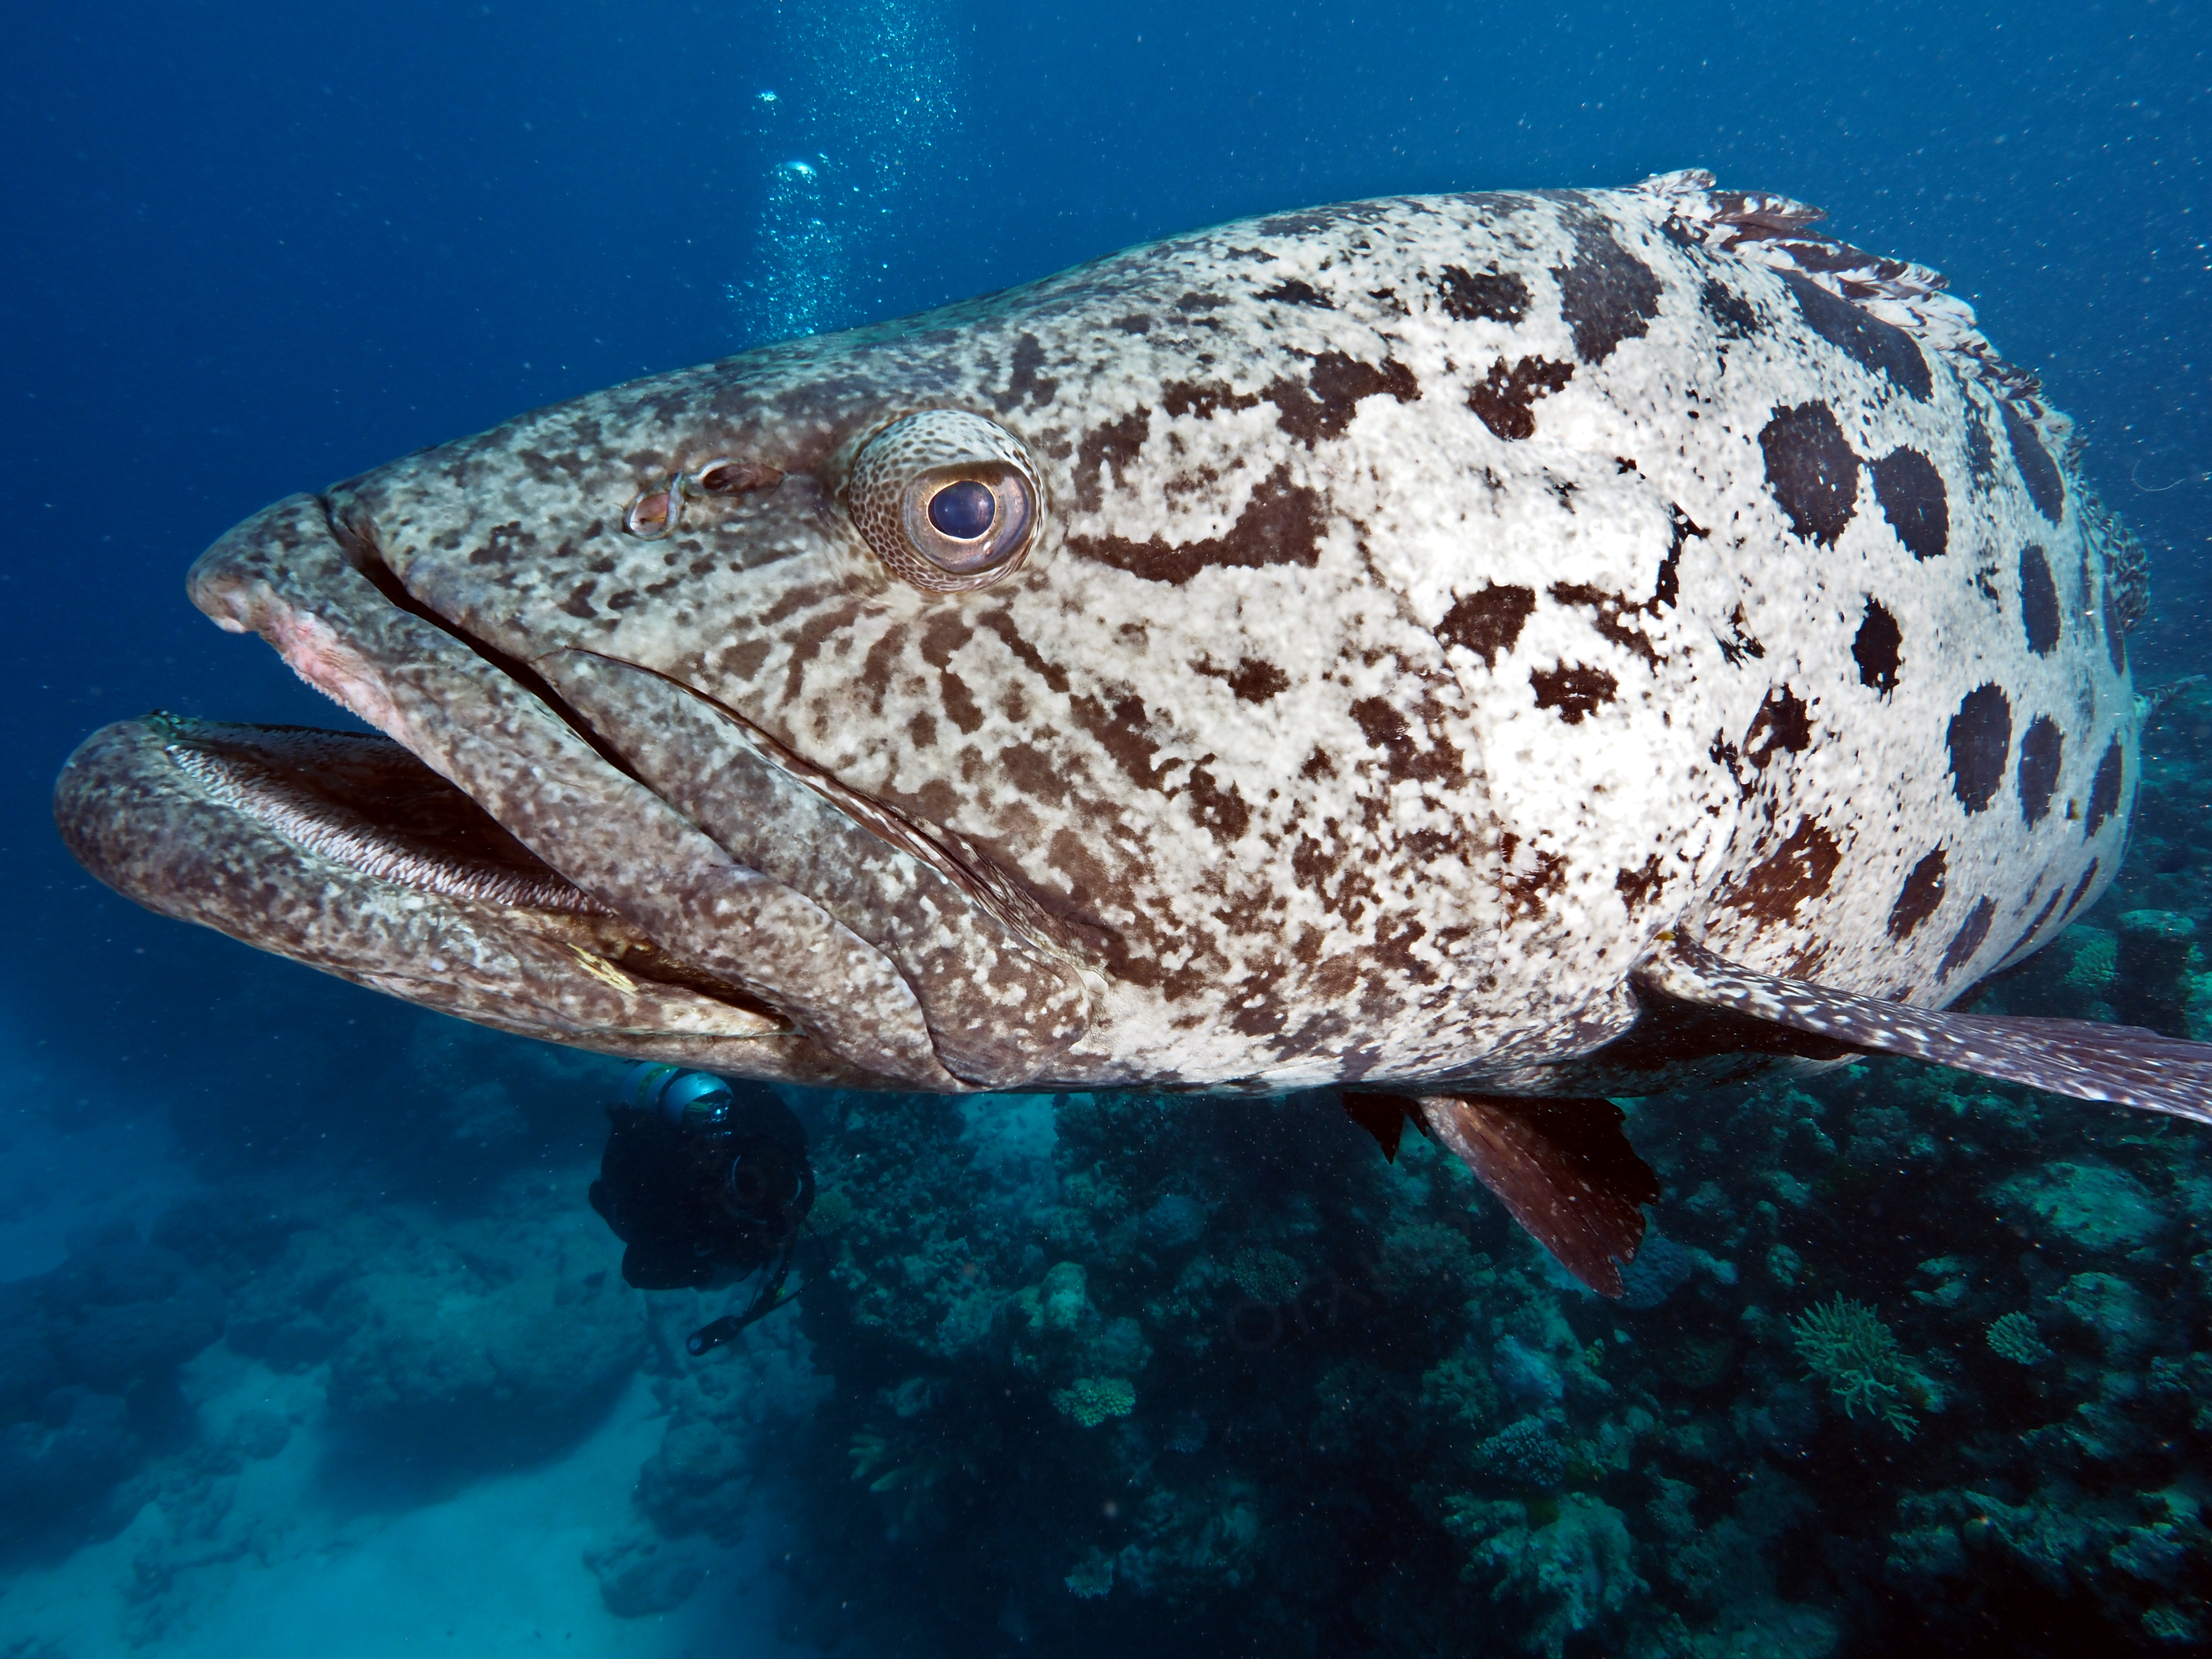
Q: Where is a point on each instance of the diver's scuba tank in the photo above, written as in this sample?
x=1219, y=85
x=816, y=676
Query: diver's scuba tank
x=681, y=1099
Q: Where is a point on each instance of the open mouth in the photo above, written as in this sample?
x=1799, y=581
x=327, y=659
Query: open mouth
x=572, y=847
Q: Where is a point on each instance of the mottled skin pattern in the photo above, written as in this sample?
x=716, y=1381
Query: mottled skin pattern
x=1435, y=604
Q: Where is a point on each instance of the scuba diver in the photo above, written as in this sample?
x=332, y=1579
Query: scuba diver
x=705, y=1181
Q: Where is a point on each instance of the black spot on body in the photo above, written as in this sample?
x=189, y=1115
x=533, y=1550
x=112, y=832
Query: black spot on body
x=1282, y=524
x=1607, y=294
x=1500, y=296
x=2038, y=602
x=1506, y=399
x=1967, y=940
x=1812, y=470
x=1913, y=499
x=2116, y=628
x=2028, y=933
x=2082, y=890
x=2042, y=753
x=1488, y=622
x=1980, y=741
x=1800, y=869
x=1864, y=338
x=1917, y=899
x=2104, y=788
x=1877, y=647
x=1981, y=453
x=1574, y=690
x=1292, y=292
x=1730, y=310
x=2045, y=488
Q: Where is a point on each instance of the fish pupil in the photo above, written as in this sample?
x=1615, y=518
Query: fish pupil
x=962, y=511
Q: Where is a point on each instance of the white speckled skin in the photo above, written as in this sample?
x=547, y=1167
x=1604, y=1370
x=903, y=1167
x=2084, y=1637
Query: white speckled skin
x=1426, y=614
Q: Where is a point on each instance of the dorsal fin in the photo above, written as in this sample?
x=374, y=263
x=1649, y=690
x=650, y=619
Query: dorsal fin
x=1562, y=1167
x=2123, y=1064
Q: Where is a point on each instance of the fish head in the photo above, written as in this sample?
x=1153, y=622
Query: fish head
x=996, y=697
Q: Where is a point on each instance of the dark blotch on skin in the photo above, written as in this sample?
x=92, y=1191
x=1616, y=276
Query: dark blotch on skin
x=1253, y=681
x=1812, y=470
x=1026, y=385
x=1115, y=444
x=1980, y=741
x=1877, y=647
x=1917, y=899
x=2104, y=788
x=1506, y=399
x=1637, y=887
x=1221, y=812
x=1488, y=622
x=2042, y=753
x=1386, y=729
x=1337, y=385
x=1967, y=940
x=1800, y=869
x=1607, y=294
x=2038, y=602
x=1292, y=292
x=1280, y=524
x=1730, y=310
x=2116, y=628
x=1782, y=723
x=1865, y=339
x=2045, y=488
x=1910, y=491
x=1573, y=689
x=1496, y=295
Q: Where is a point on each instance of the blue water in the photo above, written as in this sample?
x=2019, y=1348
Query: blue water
x=255, y=249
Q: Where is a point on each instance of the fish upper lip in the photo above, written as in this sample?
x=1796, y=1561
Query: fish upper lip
x=285, y=574
x=1006, y=995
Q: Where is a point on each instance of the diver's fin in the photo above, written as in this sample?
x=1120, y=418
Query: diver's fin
x=2123, y=1064
x=1382, y=1116
x=1563, y=1168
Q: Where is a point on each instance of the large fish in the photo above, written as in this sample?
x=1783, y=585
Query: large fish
x=1492, y=651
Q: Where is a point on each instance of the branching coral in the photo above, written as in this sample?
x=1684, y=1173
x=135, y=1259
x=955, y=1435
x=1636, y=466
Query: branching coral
x=1089, y=1401
x=2014, y=1337
x=1846, y=1345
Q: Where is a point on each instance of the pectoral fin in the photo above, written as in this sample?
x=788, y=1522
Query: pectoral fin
x=2124, y=1064
x=1562, y=1167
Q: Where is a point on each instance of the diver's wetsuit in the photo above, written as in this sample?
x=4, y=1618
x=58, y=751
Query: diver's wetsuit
x=705, y=1196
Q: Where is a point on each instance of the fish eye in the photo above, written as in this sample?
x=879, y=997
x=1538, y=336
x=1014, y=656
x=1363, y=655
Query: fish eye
x=947, y=499
x=963, y=510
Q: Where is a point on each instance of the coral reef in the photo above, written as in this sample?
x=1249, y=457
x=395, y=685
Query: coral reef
x=1847, y=1346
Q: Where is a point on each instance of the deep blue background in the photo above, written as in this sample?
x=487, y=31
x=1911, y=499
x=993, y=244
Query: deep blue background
x=252, y=249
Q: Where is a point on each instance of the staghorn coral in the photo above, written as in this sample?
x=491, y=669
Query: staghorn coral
x=1846, y=1345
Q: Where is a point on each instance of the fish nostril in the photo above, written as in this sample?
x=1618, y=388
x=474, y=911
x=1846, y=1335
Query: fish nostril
x=736, y=477
x=653, y=514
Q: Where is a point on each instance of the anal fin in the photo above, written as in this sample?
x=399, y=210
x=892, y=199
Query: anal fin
x=1563, y=1168
x=2124, y=1064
